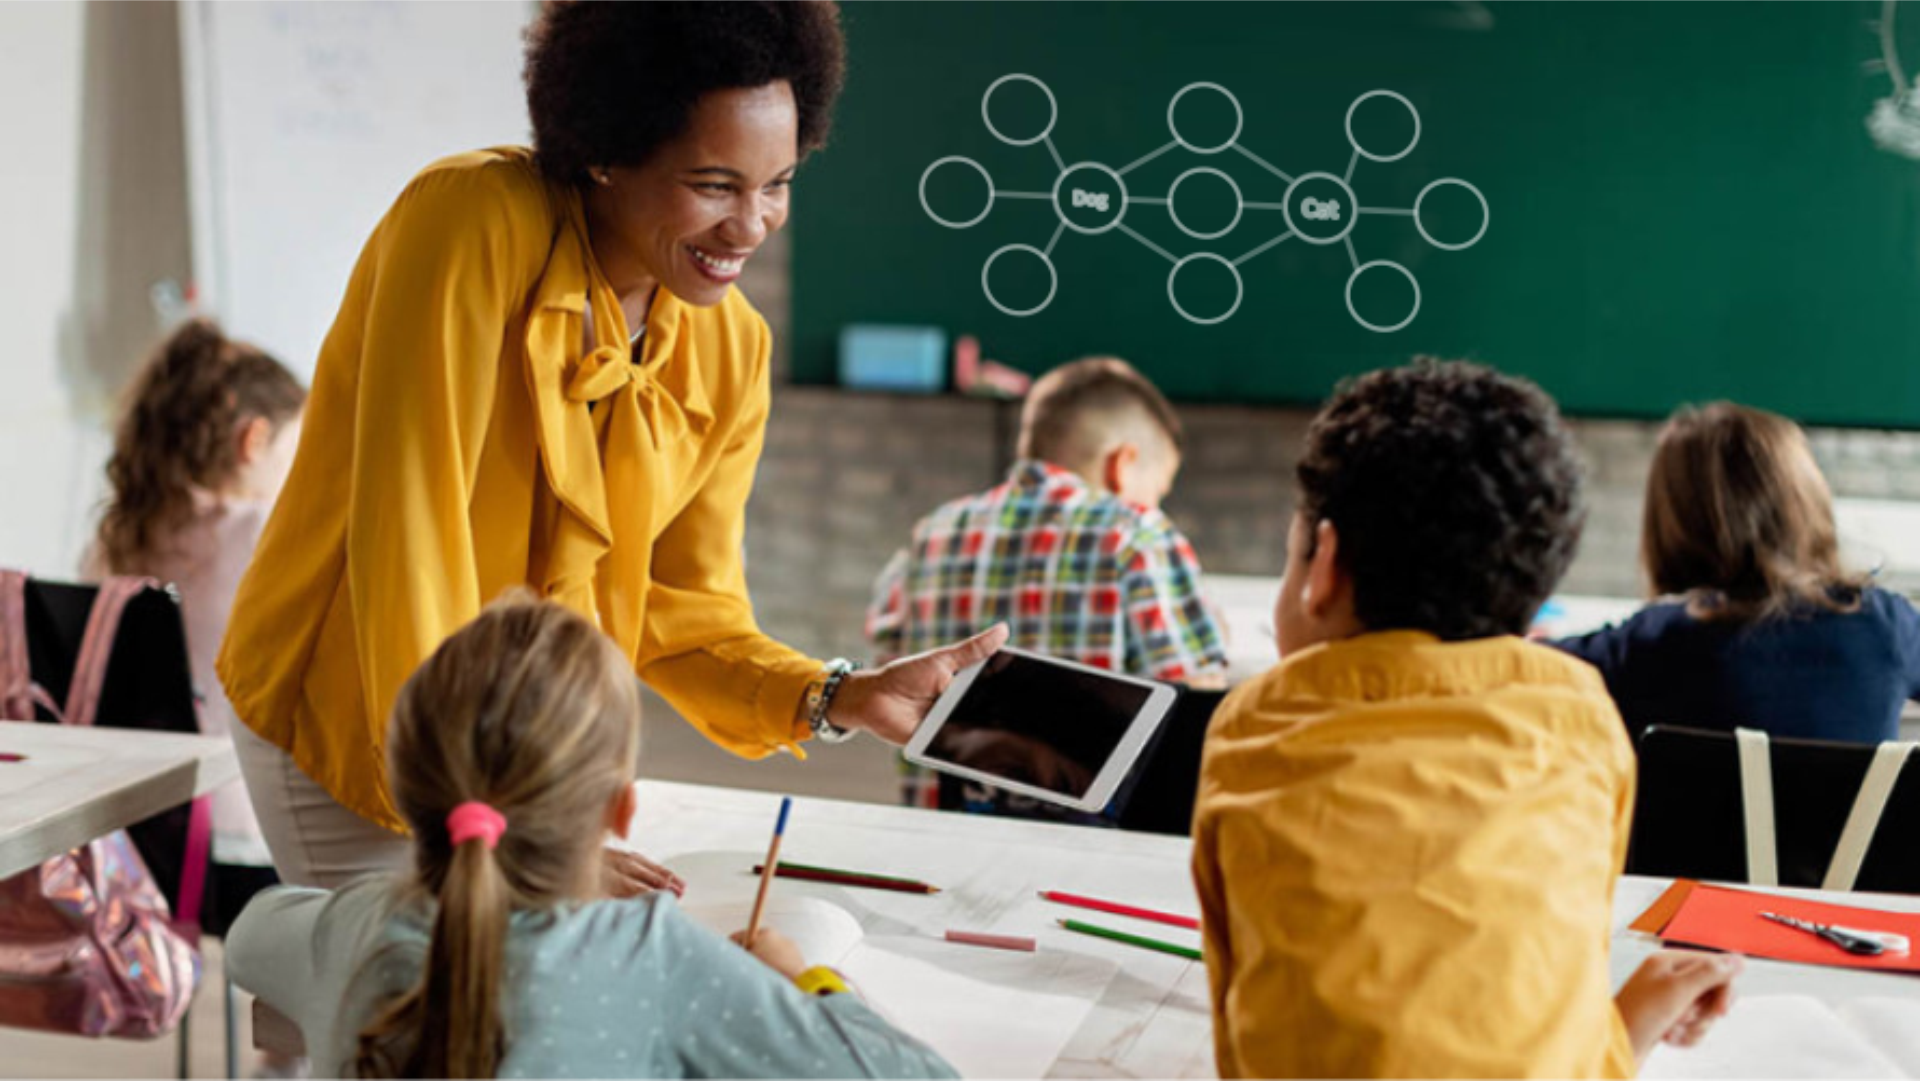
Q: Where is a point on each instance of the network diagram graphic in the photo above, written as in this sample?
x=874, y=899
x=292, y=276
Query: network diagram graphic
x=1090, y=197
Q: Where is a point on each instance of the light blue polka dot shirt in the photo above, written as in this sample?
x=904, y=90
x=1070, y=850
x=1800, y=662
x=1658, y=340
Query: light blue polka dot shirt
x=627, y=988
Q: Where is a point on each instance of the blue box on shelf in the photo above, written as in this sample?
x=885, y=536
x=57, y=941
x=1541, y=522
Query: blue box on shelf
x=902, y=358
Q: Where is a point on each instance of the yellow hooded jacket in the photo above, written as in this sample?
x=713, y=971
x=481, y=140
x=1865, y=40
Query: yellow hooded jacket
x=1405, y=852
x=463, y=437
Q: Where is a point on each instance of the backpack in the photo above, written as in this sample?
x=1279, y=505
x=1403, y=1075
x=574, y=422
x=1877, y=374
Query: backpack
x=87, y=942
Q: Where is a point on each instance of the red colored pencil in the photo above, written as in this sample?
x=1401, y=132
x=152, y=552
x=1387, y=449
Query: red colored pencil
x=838, y=878
x=1119, y=909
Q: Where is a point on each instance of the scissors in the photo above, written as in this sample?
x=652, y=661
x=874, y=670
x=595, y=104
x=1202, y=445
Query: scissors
x=1854, y=941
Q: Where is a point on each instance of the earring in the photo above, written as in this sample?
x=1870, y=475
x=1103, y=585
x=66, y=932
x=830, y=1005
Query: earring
x=600, y=177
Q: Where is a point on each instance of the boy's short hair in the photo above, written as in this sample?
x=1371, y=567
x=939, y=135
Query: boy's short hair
x=1075, y=408
x=1456, y=494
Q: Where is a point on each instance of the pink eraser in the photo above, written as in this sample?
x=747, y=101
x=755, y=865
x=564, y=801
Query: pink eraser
x=998, y=942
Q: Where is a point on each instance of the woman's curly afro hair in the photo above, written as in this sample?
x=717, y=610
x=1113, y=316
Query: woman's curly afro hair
x=610, y=83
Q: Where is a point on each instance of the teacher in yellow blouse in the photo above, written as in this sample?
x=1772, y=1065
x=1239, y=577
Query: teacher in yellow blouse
x=541, y=374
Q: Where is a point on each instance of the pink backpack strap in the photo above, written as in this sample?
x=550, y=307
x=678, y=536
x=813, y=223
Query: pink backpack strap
x=83, y=702
x=193, y=867
x=18, y=692
x=96, y=645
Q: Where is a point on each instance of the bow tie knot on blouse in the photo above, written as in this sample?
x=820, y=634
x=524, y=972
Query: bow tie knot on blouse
x=605, y=371
x=599, y=374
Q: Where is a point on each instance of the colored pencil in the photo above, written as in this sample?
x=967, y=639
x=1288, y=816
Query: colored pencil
x=998, y=942
x=849, y=878
x=845, y=873
x=1142, y=941
x=766, y=880
x=1117, y=909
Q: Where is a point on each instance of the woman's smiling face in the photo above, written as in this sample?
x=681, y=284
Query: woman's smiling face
x=690, y=217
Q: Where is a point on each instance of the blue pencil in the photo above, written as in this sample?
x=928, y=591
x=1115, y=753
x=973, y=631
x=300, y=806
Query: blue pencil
x=766, y=875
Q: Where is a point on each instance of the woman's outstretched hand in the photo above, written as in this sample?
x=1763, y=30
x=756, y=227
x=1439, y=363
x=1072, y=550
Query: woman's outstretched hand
x=890, y=702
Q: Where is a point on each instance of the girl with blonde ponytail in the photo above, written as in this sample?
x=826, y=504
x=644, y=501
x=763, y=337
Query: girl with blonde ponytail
x=511, y=755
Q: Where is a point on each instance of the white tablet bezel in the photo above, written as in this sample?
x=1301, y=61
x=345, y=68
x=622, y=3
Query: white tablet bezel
x=1126, y=753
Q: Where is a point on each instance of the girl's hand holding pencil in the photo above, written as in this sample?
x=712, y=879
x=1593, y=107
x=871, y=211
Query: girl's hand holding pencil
x=774, y=950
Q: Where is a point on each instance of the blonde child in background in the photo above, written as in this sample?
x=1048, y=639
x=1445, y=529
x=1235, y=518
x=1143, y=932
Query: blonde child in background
x=511, y=754
x=1071, y=551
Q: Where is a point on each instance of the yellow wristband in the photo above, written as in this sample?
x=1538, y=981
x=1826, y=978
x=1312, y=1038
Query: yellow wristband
x=821, y=980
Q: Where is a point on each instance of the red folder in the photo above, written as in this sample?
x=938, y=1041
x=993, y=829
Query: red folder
x=1729, y=919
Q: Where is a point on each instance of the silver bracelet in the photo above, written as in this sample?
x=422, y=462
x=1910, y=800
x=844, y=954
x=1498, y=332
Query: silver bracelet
x=820, y=694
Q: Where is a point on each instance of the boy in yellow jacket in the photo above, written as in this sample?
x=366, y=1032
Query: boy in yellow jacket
x=1408, y=833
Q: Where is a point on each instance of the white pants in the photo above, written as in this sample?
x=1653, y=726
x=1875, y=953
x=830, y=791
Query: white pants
x=314, y=840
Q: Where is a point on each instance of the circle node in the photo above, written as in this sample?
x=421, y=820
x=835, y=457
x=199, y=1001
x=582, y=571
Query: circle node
x=1486, y=215
x=1351, y=216
x=1239, y=288
x=1173, y=126
x=1355, y=312
x=1239, y=205
x=1362, y=151
x=986, y=284
x=1120, y=194
x=1053, y=110
x=928, y=207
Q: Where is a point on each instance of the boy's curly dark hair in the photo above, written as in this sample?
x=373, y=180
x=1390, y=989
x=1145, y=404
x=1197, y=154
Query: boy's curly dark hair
x=609, y=83
x=1456, y=494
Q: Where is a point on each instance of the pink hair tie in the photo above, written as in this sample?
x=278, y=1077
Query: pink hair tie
x=475, y=819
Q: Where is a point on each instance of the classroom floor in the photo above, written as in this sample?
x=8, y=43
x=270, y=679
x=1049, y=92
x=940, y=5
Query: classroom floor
x=670, y=750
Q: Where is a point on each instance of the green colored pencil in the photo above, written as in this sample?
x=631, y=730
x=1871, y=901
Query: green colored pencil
x=1142, y=941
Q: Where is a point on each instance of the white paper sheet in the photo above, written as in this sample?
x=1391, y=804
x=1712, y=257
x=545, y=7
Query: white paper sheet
x=825, y=933
x=1781, y=1036
x=1891, y=1025
x=992, y=1013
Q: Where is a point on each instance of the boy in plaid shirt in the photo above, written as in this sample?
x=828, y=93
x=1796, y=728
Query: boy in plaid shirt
x=1071, y=552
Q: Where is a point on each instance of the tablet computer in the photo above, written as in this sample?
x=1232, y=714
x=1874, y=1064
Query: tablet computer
x=1051, y=729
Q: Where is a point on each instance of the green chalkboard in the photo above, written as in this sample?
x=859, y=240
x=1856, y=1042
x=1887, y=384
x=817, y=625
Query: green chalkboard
x=1683, y=199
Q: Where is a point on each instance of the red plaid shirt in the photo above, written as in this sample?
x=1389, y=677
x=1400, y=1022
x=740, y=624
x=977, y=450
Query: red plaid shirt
x=1076, y=573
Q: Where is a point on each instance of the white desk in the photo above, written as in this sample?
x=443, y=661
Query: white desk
x=76, y=784
x=1244, y=604
x=1153, y=1020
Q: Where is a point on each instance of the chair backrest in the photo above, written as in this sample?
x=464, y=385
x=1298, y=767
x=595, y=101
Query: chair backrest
x=1167, y=779
x=149, y=680
x=148, y=684
x=1690, y=814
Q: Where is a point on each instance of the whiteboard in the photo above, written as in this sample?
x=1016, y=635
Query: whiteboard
x=305, y=120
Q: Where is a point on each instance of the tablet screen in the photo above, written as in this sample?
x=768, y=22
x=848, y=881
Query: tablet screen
x=1040, y=724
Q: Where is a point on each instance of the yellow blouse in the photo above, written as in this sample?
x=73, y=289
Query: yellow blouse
x=1405, y=852
x=461, y=438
